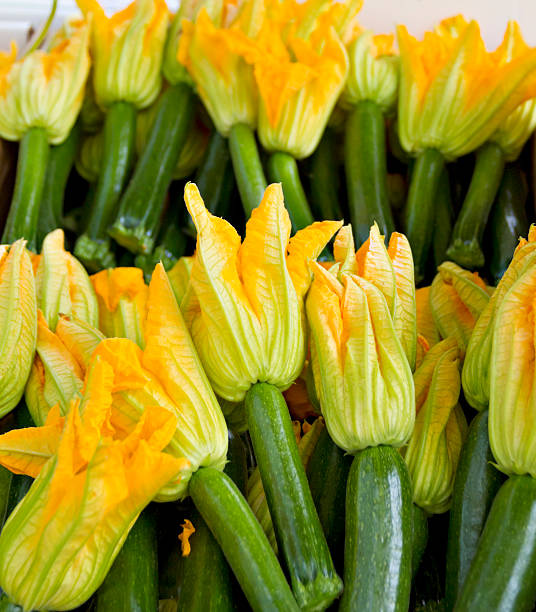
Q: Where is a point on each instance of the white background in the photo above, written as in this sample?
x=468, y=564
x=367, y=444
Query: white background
x=16, y=16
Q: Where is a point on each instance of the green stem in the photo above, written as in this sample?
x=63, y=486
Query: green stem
x=508, y=221
x=419, y=539
x=378, y=547
x=247, y=166
x=282, y=168
x=503, y=573
x=60, y=163
x=324, y=178
x=328, y=471
x=366, y=171
x=465, y=245
x=475, y=487
x=297, y=527
x=444, y=219
x=132, y=581
x=93, y=247
x=31, y=171
x=420, y=207
x=242, y=540
x=141, y=206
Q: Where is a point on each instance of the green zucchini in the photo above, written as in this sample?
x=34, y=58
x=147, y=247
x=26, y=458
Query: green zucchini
x=444, y=220
x=31, y=172
x=324, y=183
x=282, y=168
x=419, y=537
x=141, y=206
x=366, y=171
x=508, y=221
x=475, y=486
x=379, y=529
x=237, y=467
x=242, y=540
x=328, y=471
x=298, y=531
x=420, y=207
x=132, y=582
x=503, y=573
x=247, y=166
x=94, y=247
x=466, y=241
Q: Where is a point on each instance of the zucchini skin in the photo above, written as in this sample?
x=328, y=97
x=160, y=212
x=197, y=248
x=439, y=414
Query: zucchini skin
x=475, y=487
x=132, y=582
x=419, y=537
x=379, y=529
x=324, y=181
x=503, y=573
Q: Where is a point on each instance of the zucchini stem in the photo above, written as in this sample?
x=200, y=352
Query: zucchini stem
x=298, y=531
x=465, y=245
x=365, y=161
x=247, y=166
x=282, y=168
x=93, y=247
x=31, y=171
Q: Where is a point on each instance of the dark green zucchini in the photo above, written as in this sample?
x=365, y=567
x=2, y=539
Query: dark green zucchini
x=379, y=530
x=324, y=183
x=419, y=537
x=503, y=573
x=132, y=582
x=444, y=220
x=475, y=486
x=298, y=531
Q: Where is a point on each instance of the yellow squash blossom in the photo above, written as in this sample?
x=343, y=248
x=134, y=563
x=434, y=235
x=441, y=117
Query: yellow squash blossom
x=167, y=373
x=60, y=364
x=362, y=375
x=45, y=89
x=245, y=304
x=457, y=299
x=223, y=80
x=512, y=419
x=122, y=296
x=454, y=94
x=18, y=323
x=476, y=368
x=391, y=271
x=434, y=448
x=179, y=277
x=425, y=319
x=62, y=284
x=90, y=486
x=127, y=51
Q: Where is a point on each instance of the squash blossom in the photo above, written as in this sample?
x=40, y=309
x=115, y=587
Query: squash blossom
x=90, y=486
x=122, y=297
x=245, y=306
x=45, y=89
x=18, y=321
x=167, y=373
x=476, y=367
x=434, y=448
x=179, y=277
x=361, y=372
x=457, y=299
x=127, y=51
x=391, y=271
x=454, y=94
x=427, y=332
x=59, y=367
x=62, y=284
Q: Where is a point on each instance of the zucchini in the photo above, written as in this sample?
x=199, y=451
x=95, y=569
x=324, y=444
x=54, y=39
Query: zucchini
x=328, y=471
x=475, y=486
x=365, y=161
x=444, y=220
x=379, y=529
x=31, y=171
x=298, y=531
x=420, y=207
x=324, y=183
x=419, y=537
x=503, y=573
x=94, y=247
x=465, y=245
x=282, y=168
x=247, y=166
x=132, y=582
x=141, y=206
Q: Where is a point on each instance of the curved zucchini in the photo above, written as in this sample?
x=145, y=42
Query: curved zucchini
x=379, y=529
x=503, y=573
x=475, y=486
